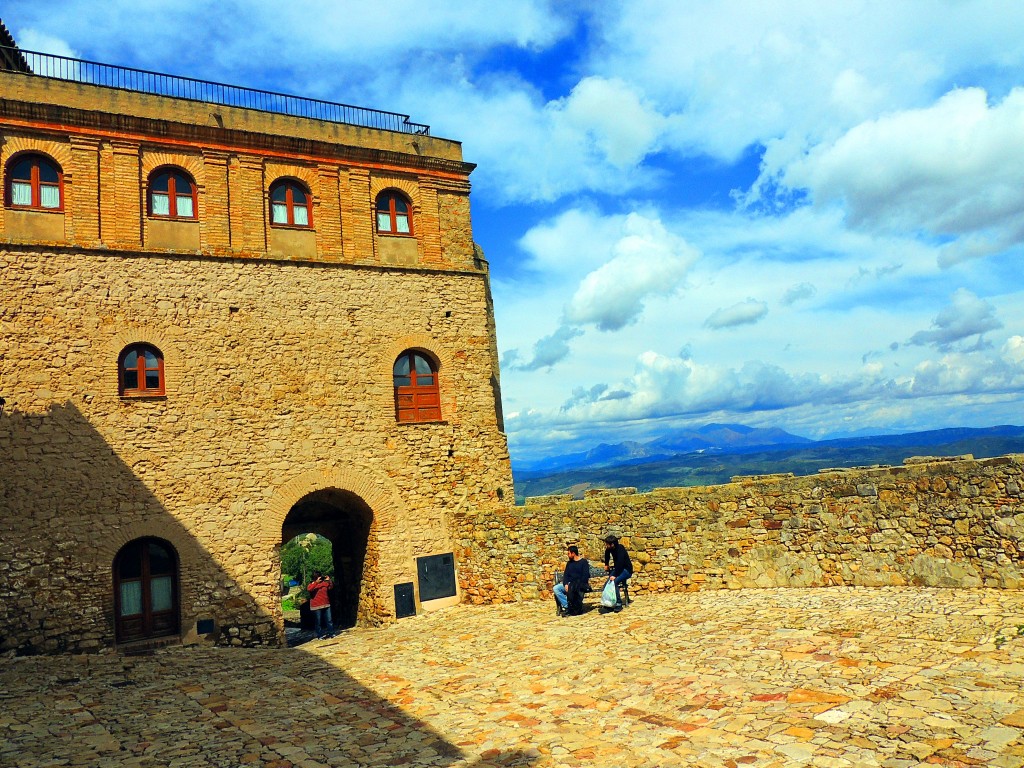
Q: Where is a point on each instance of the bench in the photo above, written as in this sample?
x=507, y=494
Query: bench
x=598, y=573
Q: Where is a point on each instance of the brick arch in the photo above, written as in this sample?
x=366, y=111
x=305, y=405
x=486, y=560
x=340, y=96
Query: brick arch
x=407, y=187
x=415, y=341
x=308, y=176
x=59, y=151
x=172, y=352
x=193, y=164
x=190, y=553
x=376, y=490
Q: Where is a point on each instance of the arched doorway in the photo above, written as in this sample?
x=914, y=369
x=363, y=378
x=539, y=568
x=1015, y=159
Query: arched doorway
x=146, y=590
x=344, y=519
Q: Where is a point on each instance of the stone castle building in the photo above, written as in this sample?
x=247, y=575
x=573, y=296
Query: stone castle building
x=228, y=317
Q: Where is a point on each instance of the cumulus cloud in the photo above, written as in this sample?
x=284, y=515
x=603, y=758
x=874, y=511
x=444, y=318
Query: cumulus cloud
x=744, y=313
x=966, y=316
x=646, y=261
x=1013, y=351
x=672, y=390
x=802, y=79
x=626, y=261
x=952, y=169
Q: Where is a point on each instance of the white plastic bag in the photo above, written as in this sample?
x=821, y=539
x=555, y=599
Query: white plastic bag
x=608, y=595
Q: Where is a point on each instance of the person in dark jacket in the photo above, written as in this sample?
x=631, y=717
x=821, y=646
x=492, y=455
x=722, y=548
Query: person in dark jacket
x=575, y=579
x=619, y=567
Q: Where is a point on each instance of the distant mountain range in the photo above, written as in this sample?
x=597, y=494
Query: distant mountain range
x=714, y=453
x=712, y=437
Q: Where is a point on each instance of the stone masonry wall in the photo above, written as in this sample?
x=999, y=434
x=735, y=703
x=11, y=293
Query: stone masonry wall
x=943, y=523
x=279, y=384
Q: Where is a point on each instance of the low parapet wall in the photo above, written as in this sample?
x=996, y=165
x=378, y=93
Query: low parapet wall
x=942, y=522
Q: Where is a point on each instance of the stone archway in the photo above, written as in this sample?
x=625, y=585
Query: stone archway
x=355, y=492
x=344, y=519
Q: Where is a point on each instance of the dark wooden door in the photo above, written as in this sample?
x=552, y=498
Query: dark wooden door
x=146, y=590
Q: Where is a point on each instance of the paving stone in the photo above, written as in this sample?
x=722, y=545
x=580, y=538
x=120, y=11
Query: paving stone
x=823, y=677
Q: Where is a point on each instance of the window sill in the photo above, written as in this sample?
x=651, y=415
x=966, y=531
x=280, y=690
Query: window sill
x=418, y=423
x=181, y=219
x=31, y=209
x=295, y=227
x=143, y=396
x=410, y=236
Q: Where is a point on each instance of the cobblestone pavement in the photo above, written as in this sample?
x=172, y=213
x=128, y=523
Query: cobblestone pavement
x=822, y=677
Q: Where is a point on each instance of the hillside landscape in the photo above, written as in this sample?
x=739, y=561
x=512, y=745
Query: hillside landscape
x=714, y=454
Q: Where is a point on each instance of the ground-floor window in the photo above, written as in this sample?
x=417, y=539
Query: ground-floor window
x=146, y=590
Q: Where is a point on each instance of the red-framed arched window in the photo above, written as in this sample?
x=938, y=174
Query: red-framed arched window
x=417, y=396
x=394, y=213
x=34, y=182
x=290, y=204
x=141, y=371
x=172, y=194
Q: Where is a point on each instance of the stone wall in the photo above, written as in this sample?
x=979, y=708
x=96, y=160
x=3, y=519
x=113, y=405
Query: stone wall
x=943, y=522
x=278, y=385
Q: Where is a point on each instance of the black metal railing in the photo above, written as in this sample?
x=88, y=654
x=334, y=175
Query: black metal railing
x=157, y=84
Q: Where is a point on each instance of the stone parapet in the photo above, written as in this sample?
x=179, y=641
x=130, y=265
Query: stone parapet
x=935, y=521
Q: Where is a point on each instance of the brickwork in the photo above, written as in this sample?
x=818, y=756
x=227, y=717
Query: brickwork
x=278, y=346
x=942, y=523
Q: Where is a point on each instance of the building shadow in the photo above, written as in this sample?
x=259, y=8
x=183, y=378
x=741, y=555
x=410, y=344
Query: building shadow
x=70, y=503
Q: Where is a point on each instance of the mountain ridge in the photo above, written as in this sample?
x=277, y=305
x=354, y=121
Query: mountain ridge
x=633, y=464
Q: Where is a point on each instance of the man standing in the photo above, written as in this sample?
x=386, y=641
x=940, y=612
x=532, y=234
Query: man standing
x=575, y=579
x=320, y=604
x=620, y=569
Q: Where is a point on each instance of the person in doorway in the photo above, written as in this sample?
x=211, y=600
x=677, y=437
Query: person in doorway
x=320, y=604
x=619, y=567
x=575, y=581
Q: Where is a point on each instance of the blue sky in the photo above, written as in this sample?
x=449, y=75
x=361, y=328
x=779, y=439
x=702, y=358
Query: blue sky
x=797, y=214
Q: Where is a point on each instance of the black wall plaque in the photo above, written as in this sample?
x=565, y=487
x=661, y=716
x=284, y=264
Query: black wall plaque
x=437, y=576
x=405, y=600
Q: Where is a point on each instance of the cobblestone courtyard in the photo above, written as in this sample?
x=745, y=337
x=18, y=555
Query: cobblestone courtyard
x=823, y=677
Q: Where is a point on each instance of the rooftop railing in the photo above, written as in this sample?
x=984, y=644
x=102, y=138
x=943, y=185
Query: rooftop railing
x=142, y=81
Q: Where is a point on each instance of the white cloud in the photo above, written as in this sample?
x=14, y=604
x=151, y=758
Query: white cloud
x=743, y=72
x=646, y=261
x=952, y=168
x=744, y=313
x=613, y=116
x=965, y=317
x=626, y=262
x=1013, y=351
x=35, y=40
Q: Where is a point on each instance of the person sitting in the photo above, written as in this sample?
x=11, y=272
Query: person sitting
x=575, y=582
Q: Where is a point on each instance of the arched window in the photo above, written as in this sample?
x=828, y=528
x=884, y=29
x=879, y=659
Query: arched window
x=394, y=213
x=417, y=397
x=289, y=204
x=34, y=181
x=141, y=371
x=146, y=590
x=172, y=194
